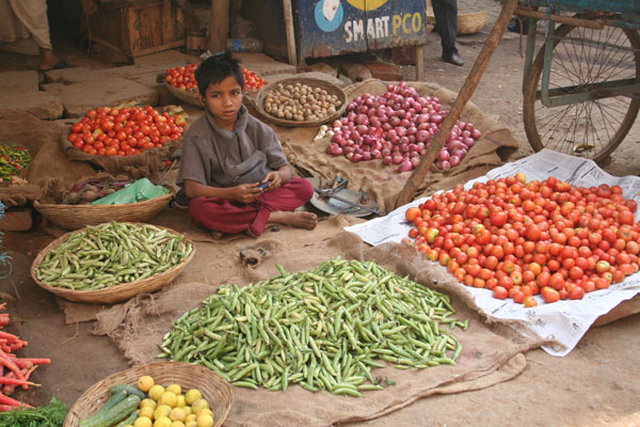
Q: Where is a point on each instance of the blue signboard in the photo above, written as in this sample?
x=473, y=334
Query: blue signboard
x=334, y=27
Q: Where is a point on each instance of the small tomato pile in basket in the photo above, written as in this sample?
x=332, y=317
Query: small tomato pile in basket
x=183, y=77
x=397, y=128
x=150, y=404
x=520, y=239
x=125, y=131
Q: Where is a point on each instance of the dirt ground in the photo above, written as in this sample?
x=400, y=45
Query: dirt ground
x=596, y=384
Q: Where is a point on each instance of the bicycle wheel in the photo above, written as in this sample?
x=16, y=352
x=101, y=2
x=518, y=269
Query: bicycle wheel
x=581, y=57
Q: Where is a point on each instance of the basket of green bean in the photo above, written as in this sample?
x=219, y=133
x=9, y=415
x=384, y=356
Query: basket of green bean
x=111, y=262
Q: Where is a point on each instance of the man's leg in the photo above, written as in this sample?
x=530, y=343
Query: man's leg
x=446, y=15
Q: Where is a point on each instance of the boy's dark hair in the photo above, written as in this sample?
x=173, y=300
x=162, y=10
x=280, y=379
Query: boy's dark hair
x=216, y=68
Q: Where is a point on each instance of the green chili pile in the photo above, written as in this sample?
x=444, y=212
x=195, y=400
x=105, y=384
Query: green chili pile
x=324, y=329
x=13, y=159
x=110, y=254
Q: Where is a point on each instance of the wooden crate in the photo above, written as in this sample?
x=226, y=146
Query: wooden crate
x=123, y=30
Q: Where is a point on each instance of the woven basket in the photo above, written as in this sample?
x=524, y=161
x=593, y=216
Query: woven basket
x=116, y=293
x=72, y=217
x=213, y=388
x=190, y=97
x=329, y=87
x=470, y=23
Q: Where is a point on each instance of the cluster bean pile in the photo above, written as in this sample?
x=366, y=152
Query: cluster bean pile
x=300, y=102
x=323, y=329
x=111, y=254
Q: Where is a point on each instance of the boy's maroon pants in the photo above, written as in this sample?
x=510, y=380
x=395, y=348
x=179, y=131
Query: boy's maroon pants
x=229, y=216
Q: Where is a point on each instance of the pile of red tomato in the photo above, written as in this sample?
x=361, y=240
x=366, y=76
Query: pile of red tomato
x=521, y=239
x=108, y=131
x=184, y=78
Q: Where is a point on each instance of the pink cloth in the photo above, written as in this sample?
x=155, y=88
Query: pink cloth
x=229, y=216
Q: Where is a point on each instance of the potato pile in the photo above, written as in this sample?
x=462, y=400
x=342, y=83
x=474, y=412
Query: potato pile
x=300, y=102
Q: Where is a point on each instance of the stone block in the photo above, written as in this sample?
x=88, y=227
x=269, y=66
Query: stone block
x=43, y=105
x=17, y=219
x=80, y=97
x=264, y=65
x=18, y=82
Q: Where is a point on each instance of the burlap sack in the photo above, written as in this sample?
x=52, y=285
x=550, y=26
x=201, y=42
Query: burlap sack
x=40, y=137
x=382, y=182
x=148, y=163
x=54, y=188
x=492, y=353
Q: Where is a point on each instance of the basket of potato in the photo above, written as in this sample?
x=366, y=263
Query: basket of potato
x=301, y=102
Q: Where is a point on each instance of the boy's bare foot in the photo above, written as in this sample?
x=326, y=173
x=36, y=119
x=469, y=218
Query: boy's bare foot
x=300, y=219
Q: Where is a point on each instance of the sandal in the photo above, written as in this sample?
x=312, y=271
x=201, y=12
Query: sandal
x=59, y=66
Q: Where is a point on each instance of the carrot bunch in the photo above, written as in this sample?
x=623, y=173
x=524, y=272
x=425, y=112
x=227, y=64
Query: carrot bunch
x=14, y=371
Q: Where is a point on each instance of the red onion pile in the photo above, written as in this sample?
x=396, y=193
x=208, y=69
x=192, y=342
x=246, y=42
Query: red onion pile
x=397, y=127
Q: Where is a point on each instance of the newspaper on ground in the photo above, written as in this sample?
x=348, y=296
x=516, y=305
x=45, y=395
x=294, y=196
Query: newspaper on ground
x=562, y=323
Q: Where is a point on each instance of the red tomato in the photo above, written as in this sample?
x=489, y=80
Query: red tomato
x=498, y=218
x=550, y=295
x=500, y=292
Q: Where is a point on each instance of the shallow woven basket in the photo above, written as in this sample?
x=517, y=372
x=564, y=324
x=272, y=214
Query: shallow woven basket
x=470, y=23
x=115, y=293
x=72, y=217
x=187, y=96
x=329, y=87
x=213, y=388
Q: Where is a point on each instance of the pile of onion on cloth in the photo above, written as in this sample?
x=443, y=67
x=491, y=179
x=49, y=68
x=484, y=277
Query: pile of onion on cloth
x=397, y=127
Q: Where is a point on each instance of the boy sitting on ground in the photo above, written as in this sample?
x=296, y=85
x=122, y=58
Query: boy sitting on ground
x=232, y=168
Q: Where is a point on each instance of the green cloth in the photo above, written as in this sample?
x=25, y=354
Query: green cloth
x=137, y=191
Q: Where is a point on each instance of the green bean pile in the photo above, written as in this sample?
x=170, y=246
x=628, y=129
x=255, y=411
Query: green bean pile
x=324, y=329
x=111, y=254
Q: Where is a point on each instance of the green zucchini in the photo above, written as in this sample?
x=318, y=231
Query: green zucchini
x=115, y=398
x=128, y=388
x=113, y=415
x=129, y=420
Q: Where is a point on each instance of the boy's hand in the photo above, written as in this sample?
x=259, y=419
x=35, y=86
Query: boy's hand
x=275, y=180
x=246, y=193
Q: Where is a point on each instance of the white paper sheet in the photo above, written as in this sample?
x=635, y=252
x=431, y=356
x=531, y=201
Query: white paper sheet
x=564, y=322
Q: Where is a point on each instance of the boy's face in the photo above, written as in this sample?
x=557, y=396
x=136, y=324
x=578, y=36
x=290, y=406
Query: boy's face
x=223, y=101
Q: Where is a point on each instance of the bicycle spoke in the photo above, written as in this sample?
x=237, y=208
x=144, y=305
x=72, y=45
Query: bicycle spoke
x=583, y=57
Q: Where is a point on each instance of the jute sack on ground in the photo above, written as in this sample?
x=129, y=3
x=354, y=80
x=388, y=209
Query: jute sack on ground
x=382, y=182
x=491, y=353
x=147, y=163
x=41, y=138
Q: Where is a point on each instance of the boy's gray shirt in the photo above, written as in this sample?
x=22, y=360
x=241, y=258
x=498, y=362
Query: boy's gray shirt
x=218, y=157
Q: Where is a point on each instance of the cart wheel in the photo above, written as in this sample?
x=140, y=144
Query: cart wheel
x=583, y=56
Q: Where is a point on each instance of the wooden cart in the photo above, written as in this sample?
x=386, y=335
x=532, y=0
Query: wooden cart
x=581, y=89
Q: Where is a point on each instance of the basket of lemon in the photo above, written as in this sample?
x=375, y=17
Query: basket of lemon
x=162, y=394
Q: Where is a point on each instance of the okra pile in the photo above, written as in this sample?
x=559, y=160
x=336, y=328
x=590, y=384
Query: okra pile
x=323, y=329
x=111, y=254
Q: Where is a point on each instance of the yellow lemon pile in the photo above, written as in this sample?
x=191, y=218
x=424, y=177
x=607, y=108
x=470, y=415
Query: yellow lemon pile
x=170, y=407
